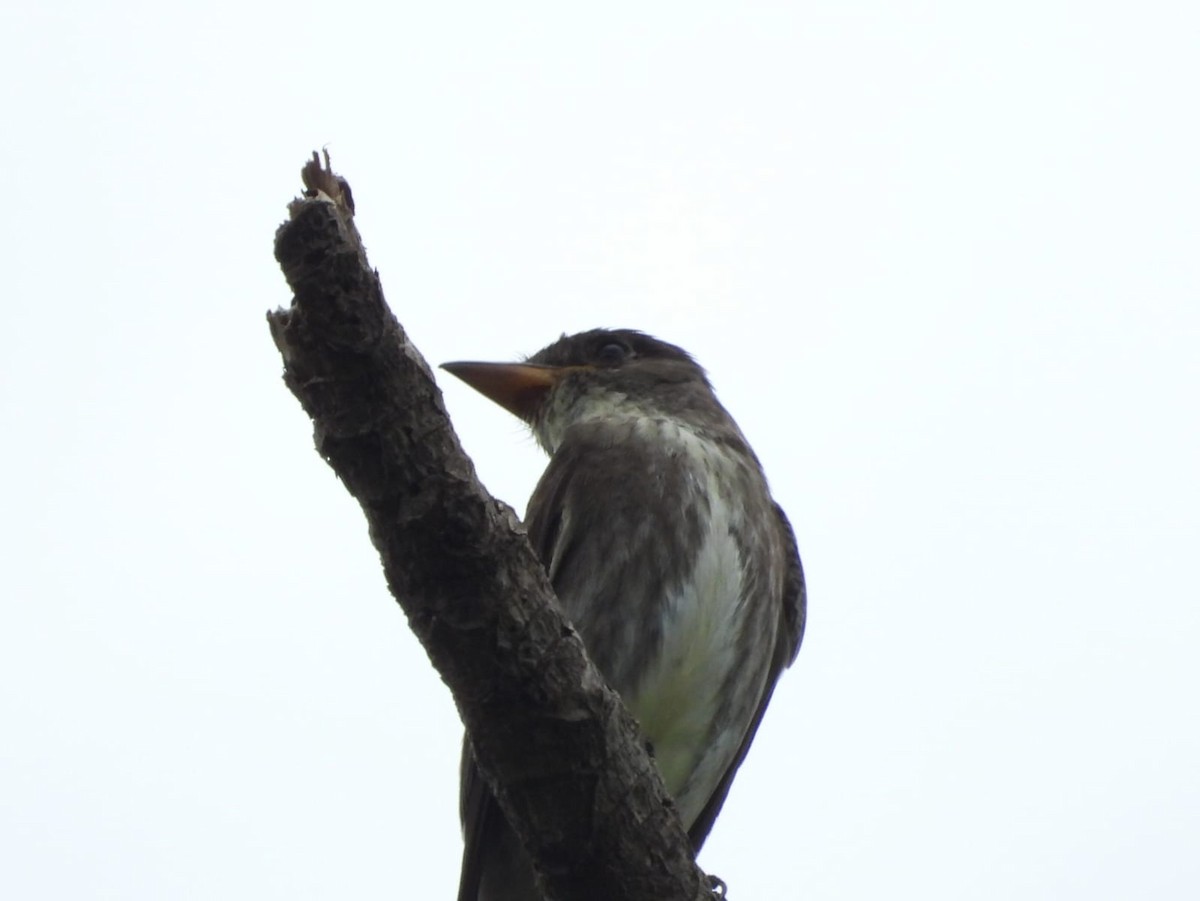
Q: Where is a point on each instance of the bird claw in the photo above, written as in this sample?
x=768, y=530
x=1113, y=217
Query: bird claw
x=716, y=885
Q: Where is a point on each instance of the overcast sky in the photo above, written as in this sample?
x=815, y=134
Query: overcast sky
x=939, y=258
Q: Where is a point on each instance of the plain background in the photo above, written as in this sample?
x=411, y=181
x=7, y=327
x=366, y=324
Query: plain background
x=939, y=258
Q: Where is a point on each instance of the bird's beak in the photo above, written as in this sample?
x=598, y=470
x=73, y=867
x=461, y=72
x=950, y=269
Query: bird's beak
x=519, y=388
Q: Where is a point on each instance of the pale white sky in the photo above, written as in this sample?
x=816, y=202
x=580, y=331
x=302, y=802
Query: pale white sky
x=939, y=258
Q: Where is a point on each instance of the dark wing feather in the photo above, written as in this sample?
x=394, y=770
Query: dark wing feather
x=795, y=595
x=478, y=810
x=485, y=830
x=792, y=614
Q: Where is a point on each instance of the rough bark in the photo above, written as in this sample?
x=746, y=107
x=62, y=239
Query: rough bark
x=551, y=738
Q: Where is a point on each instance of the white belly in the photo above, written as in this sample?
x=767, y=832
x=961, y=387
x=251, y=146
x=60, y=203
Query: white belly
x=681, y=693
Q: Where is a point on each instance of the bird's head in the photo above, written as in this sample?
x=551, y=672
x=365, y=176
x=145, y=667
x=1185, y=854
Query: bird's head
x=603, y=372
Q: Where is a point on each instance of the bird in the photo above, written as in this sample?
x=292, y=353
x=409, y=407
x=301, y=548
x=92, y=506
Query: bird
x=669, y=556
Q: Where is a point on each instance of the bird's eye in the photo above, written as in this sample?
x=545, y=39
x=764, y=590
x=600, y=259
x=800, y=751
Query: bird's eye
x=612, y=353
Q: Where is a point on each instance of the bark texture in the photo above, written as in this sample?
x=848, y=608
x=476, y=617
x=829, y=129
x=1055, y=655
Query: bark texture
x=554, y=741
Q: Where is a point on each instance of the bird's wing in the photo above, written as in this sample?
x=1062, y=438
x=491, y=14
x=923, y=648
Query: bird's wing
x=479, y=812
x=610, y=545
x=484, y=825
x=795, y=595
x=792, y=615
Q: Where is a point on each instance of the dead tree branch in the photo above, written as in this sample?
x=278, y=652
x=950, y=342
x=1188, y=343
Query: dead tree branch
x=553, y=740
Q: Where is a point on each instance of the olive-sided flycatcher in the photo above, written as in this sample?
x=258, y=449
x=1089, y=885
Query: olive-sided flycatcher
x=669, y=556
